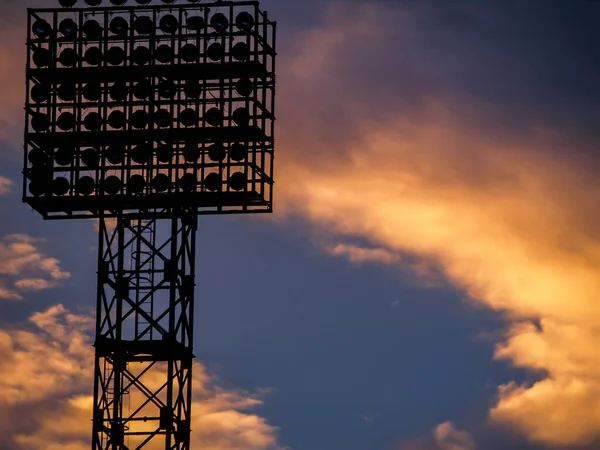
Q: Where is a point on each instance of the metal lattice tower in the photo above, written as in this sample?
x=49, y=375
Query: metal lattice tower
x=145, y=117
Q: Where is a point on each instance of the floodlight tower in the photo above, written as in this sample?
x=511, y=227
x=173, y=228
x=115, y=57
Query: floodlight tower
x=144, y=117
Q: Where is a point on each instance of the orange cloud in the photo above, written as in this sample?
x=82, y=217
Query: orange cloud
x=57, y=356
x=509, y=219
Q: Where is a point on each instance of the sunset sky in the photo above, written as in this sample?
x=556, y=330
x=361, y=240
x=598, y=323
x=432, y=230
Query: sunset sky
x=430, y=279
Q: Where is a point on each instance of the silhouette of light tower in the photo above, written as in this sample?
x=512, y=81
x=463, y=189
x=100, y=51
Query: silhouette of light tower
x=145, y=117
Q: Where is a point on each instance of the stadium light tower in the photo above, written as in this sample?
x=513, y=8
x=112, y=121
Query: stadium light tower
x=148, y=115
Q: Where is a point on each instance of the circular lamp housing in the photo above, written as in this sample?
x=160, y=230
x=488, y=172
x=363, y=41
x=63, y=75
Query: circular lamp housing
x=161, y=183
x=189, y=53
x=188, y=117
x=136, y=184
x=141, y=154
x=191, y=152
x=192, y=89
x=40, y=93
x=112, y=185
x=93, y=121
x=115, y=154
x=42, y=57
x=64, y=156
x=118, y=91
x=215, y=52
x=67, y=92
x=40, y=122
x=244, y=87
x=115, y=56
x=116, y=119
x=85, y=186
x=240, y=51
x=66, y=121
x=195, y=23
x=41, y=29
x=188, y=182
x=237, y=181
x=60, y=186
x=119, y=26
x=241, y=117
x=244, y=21
x=167, y=89
x=141, y=55
x=169, y=24
x=219, y=22
x=68, y=57
x=92, y=91
x=139, y=119
x=93, y=56
x=142, y=89
x=92, y=29
x=164, y=54
x=213, y=182
x=163, y=118
x=216, y=152
x=214, y=117
x=143, y=25
x=238, y=152
x=165, y=153
x=91, y=158
x=37, y=157
x=68, y=28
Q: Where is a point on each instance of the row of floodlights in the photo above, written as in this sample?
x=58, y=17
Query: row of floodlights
x=140, y=154
x=71, y=3
x=141, y=90
x=143, y=25
x=140, y=119
x=136, y=184
x=141, y=55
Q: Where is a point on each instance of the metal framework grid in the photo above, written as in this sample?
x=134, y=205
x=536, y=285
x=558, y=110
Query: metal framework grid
x=154, y=120
x=176, y=122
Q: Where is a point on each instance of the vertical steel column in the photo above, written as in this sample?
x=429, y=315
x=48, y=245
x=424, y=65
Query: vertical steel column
x=144, y=333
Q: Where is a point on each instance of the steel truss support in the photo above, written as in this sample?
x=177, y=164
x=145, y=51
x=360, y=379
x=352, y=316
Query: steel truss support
x=144, y=333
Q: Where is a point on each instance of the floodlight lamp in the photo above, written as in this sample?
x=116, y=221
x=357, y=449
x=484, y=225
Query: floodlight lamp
x=37, y=157
x=90, y=158
x=163, y=118
x=68, y=57
x=139, y=119
x=241, y=51
x=237, y=181
x=141, y=55
x=40, y=122
x=85, y=186
x=215, y=52
x=189, y=53
x=213, y=182
x=119, y=26
x=67, y=92
x=214, y=117
x=161, y=183
x=60, y=186
x=141, y=154
x=191, y=152
x=42, y=57
x=93, y=121
x=92, y=91
x=41, y=29
x=143, y=25
x=64, y=155
x=142, y=89
x=66, y=121
x=216, y=152
x=244, y=21
x=195, y=23
x=67, y=3
x=188, y=117
x=115, y=154
x=188, y=182
x=40, y=93
x=167, y=89
x=68, y=28
x=112, y=185
x=115, y=56
x=238, y=152
x=219, y=22
x=136, y=184
x=241, y=117
x=93, y=56
x=93, y=2
x=118, y=91
x=164, y=54
x=169, y=24
x=92, y=29
x=192, y=89
x=37, y=188
x=116, y=119
x=244, y=87
x=165, y=153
